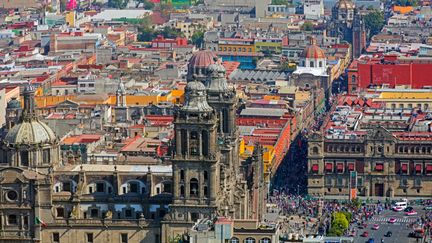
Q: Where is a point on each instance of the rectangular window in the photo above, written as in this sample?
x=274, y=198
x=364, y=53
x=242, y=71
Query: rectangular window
x=428, y=169
x=315, y=168
x=351, y=166
x=124, y=238
x=379, y=167
x=94, y=213
x=91, y=85
x=339, y=181
x=46, y=156
x=56, y=237
x=133, y=187
x=100, y=187
x=60, y=212
x=128, y=213
x=12, y=219
x=418, y=168
x=329, y=167
x=66, y=186
x=328, y=181
x=82, y=85
x=24, y=158
x=404, y=168
x=89, y=237
x=340, y=167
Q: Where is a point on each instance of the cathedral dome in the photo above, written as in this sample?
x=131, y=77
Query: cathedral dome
x=202, y=59
x=30, y=132
x=14, y=104
x=345, y=4
x=313, y=51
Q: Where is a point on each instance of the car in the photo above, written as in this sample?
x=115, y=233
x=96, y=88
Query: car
x=414, y=234
x=409, y=209
x=375, y=226
x=353, y=234
x=410, y=213
x=392, y=220
x=388, y=234
x=428, y=207
x=365, y=234
x=398, y=208
x=371, y=240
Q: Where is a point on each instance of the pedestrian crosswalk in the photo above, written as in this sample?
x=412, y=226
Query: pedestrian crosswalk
x=398, y=220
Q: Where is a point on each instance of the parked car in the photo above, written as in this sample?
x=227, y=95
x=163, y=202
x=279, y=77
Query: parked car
x=409, y=209
x=365, y=234
x=414, y=234
x=428, y=207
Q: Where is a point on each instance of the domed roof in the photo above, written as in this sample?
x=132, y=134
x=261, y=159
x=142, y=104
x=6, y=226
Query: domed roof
x=195, y=98
x=217, y=81
x=14, y=104
x=314, y=52
x=202, y=59
x=345, y=4
x=30, y=132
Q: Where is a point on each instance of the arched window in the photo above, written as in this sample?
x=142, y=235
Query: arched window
x=265, y=240
x=193, y=187
x=249, y=240
x=315, y=150
x=234, y=240
x=183, y=141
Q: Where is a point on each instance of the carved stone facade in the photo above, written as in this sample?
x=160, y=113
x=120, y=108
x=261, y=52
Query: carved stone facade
x=386, y=165
x=206, y=167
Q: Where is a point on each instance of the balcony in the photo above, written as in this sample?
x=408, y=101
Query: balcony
x=104, y=222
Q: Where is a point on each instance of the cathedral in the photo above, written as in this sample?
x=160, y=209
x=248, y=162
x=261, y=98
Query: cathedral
x=347, y=24
x=45, y=199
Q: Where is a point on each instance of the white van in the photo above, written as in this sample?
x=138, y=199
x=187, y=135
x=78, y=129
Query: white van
x=399, y=206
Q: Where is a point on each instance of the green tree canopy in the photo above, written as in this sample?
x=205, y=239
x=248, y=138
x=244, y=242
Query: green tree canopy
x=198, y=38
x=406, y=2
x=339, y=223
x=307, y=26
x=280, y=2
x=374, y=22
x=118, y=3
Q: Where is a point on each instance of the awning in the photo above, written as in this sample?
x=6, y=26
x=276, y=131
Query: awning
x=379, y=167
x=418, y=168
x=315, y=168
x=404, y=168
x=428, y=168
x=329, y=167
x=339, y=166
x=351, y=166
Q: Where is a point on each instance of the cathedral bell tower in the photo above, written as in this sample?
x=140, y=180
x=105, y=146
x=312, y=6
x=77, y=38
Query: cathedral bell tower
x=196, y=160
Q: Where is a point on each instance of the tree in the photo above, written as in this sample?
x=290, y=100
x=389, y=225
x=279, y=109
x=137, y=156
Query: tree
x=307, y=26
x=374, y=22
x=198, y=38
x=339, y=223
x=406, y=2
x=146, y=4
x=118, y=3
x=280, y=2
